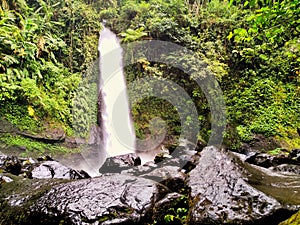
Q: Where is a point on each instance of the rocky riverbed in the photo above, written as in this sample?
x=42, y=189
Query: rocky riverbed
x=212, y=186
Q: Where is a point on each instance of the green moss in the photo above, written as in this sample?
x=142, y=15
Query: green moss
x=25, y=191
x=33, y=148
x=276, y=151
x=289, y=142
x=19, y=117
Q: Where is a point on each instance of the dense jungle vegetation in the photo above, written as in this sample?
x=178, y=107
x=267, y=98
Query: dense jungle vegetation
x=252, y=47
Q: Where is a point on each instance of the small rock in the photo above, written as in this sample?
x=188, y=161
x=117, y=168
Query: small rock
x=161, y=157
x=266, y=160
x=118, y=163
x=5, y=179
x=10, y=164
x=45, y=158
x=295, y=155
x=53, y=169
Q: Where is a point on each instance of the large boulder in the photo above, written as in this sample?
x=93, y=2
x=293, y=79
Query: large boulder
x=216, y=186
x=117, y=199
x=221, y=192
x=53, y=169
x=45, y=168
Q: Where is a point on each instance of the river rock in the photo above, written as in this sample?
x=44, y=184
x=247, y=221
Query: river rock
x=117, y=199
x=183, y=157
x=53, y=169
x=5, y=179
x=266, y=160
x=295, y=155
x=219, y=188
x=116, y=164
x=221, y=195
x=287, y=168
x=10, y=164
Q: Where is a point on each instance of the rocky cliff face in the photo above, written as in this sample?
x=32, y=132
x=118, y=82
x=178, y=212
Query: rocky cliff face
x=208, y=187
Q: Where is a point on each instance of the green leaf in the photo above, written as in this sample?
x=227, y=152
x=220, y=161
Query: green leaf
x=263, y=57
x=230, y=35
x=169, y=218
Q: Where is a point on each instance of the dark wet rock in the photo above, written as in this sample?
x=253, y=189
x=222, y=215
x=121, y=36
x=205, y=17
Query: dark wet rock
x=15, y=197
x=45, y=158
x=10, y=164
x=258, y=144
x=50, y=135
x=53, y=169
x=222, y=189
x=287, y=168
x=116, y=164
x=182, y=158
x=161, y=157
x=167, y=173
x=33, y=169
x=170, y=172
x=117, y=199
x=262, y=143
x=138, y=170
x=150, y=164
x=28, y=164
x=221, y=194
x=170, y=176
x=266, y=160
x=295, y=155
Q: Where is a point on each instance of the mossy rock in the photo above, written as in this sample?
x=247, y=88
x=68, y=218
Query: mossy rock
x=17, y=197
x=293, y=220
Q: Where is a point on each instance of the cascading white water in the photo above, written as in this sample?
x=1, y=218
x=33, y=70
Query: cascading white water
x=117, y=129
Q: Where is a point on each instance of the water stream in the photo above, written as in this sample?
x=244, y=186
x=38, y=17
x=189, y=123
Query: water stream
x=115, y=134
x=116, y=123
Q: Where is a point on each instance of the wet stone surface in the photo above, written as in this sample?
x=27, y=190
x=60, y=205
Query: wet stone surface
x=222, y=194
x=218, y=187
x=53, y=169
x=103, y=199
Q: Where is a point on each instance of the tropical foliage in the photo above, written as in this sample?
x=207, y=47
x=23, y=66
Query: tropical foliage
x=252, y=48
x=44, y=48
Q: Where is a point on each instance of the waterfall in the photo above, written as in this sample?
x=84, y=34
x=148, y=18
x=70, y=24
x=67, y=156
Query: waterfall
x=116, y=124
